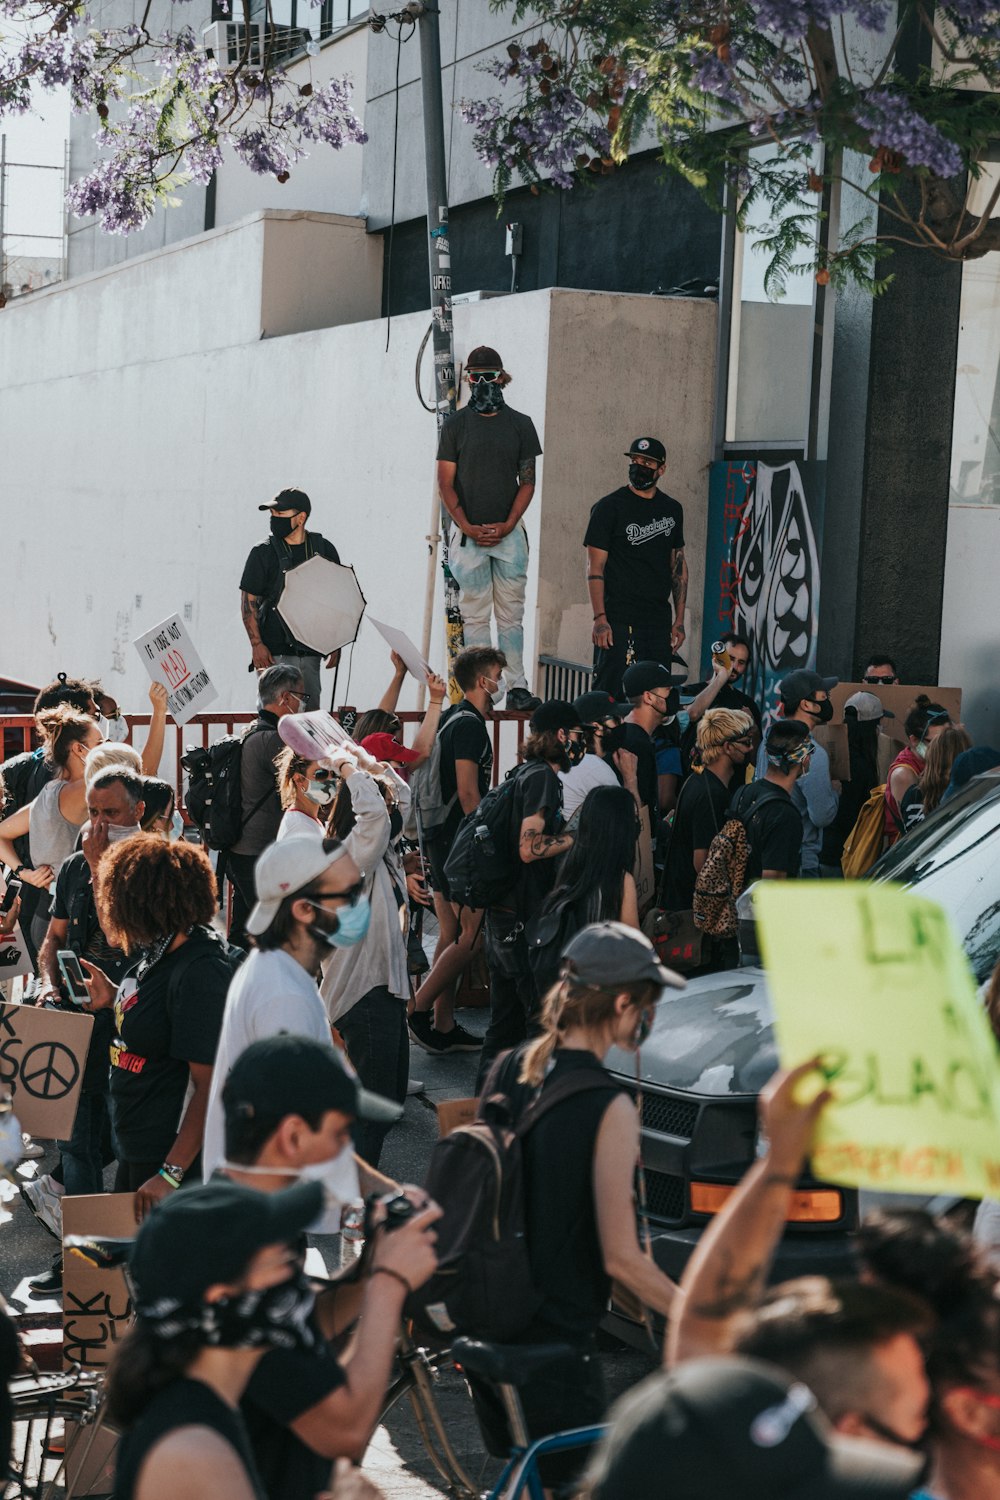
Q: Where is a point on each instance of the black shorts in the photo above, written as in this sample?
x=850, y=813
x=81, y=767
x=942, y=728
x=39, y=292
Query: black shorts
x=436, y=850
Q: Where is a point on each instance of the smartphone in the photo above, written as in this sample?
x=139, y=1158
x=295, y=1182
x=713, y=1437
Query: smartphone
x=10, y=895
x=73, y=976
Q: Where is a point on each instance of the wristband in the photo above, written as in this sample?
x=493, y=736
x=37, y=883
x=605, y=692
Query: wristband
x=168, y=1179
x=396, y=1276
x=601, y=616
x=16, y=874
x=171, y=1170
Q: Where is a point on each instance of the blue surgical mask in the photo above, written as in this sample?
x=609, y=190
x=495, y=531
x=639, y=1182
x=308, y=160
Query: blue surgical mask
x=352, y=924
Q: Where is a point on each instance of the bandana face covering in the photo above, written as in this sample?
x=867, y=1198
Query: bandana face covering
x=486, y=396
x=277, y=1318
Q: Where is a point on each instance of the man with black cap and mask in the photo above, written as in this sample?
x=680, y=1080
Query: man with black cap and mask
x=635, y=568
x=805, y=696
x=486, y=477
x=652, y=692
x=263, y=580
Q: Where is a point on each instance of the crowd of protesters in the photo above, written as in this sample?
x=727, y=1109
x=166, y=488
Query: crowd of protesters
x=241, y=1081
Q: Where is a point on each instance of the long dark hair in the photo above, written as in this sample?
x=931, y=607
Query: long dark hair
x=142, y=1366
x=591, y=875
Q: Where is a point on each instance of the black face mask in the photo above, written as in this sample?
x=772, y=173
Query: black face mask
x=825, y=712
x=395, y=823
x=486, y=396
x=575, y=751
x=282, y=526
x=640, y=477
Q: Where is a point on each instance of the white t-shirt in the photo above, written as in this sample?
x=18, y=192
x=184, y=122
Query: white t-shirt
x=582, y=778
x=270, y=993
x=294, y=822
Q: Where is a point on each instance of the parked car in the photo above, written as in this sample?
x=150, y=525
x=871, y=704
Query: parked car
x=712, y=1049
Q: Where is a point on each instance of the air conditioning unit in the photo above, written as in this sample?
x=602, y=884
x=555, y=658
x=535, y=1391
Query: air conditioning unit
x=230, y=41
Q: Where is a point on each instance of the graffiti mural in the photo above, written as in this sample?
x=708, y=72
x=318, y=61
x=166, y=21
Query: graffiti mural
x=763, y=565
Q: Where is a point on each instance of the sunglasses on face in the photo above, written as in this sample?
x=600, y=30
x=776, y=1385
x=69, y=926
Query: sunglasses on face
x=478, y=377
x=350, y=897
x=323, y=775
x=885, y=681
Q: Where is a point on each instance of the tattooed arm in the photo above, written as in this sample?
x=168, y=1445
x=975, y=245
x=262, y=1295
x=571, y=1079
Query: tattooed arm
x=250, y=610
x=726, y=1274
x=535, y=843
x=679, y=593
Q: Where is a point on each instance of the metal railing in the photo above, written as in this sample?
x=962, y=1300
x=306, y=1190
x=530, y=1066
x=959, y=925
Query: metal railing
x=564, y=679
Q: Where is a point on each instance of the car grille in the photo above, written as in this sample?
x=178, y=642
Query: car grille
x=664, y=1195
x=669, y=1116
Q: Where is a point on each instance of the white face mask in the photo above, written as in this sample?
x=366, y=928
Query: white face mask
x=339, y=1178
x=497, y=694
x=117, y=730
x=321, y=793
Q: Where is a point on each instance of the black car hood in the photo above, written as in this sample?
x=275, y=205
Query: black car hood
x=714, y=1037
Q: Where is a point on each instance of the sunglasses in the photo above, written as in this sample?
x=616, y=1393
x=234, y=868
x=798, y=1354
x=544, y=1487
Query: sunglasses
x=478, y=377
x=324, y=775
x=885, y=681
x=350, y=897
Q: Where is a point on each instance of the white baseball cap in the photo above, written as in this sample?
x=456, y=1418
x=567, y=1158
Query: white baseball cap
x=868, y=707
x=286, y=868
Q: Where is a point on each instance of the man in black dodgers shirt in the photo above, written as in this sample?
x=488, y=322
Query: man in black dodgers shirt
x=635, y=567
x=262, y=582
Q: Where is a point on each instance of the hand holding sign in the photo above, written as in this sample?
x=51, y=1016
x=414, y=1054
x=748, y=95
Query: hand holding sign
x=890, y=1010
x=169, y=657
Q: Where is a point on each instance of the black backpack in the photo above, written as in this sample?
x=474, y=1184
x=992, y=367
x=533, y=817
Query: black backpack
x=202, y=940
x=214, y=796
x=483, y=1285
x=484, y=863
x=547, y=936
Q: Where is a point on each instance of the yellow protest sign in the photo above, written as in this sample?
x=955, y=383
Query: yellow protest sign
x=873, y=980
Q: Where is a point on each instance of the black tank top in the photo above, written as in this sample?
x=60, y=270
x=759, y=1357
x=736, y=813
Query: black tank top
x=563, y=1241
x=184, y=1403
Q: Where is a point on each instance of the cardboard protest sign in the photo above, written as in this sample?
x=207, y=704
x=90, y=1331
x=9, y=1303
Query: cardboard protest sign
x=14, y=957
x=169, y=657
x=42, y=1053
x=833, y=738
x=97, y=1309
x=898, y=698
x=643, y=870
x=404, y=648
x=872, y=979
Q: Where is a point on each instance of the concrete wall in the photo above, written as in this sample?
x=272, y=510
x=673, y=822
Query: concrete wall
x=968, y=631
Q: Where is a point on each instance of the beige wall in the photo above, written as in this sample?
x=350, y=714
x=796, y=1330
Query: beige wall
x=620, y=366
x=319, y=271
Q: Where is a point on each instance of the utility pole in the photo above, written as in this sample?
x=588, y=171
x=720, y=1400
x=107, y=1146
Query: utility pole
x=3, y=215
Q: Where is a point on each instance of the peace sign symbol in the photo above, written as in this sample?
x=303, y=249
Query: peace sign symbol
x=49, y=1070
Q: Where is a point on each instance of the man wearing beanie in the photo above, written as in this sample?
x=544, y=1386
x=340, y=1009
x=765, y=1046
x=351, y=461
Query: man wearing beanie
x=486, y=476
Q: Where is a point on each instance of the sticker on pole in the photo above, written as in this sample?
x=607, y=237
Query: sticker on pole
x=168, y=655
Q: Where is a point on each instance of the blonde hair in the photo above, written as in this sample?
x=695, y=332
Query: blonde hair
x=941, y=754
x=62, y=728
x=718, y=728
x=287, y=766
x=570, y=1003
x=103, y=756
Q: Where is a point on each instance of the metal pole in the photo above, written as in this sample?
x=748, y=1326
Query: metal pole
x=427, y=16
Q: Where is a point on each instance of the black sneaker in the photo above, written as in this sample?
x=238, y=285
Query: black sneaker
x=421, y=1026
x=456, y=1040
x=49, y=1284
x=521, y=701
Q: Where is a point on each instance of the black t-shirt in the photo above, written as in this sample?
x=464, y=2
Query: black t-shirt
x=774, y=828
x=634, y=738
x=73, y=903
x=489, y=451
x=537, y=789
x=263, y=576
x=701, y=812
x=464, y=736
x=563, y=1241
x=639, y=537
x=183, y=1403
x=161, y=1028
x=287, y=1383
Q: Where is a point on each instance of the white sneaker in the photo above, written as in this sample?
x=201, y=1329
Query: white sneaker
x=44, y=1198
x=30, y=1150
x=414, y=1087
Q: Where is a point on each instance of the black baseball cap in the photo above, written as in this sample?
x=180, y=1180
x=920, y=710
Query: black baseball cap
x=739, y=1427
x=803, y=684
x=293, y=1075
x=484, y=358
x=647, y=447
x=611, y=953
x=204, y=1235
x=289, y=500
x=555, y=714
x=594, y=707
x=646, y=677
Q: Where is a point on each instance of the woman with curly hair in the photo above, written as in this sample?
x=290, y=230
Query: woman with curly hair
x=156, y=900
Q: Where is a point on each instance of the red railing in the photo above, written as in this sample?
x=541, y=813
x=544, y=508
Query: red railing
x=17, y=734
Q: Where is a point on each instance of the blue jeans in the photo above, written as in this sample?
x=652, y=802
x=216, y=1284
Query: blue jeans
x=88, y=1148
x=493, y=581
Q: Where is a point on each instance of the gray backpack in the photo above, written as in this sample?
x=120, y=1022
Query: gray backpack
x=428, y=811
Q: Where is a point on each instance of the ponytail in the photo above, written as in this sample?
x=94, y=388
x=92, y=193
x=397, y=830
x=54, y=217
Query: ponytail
x=570, y=1003
x=142, y=1367
x=62, y=728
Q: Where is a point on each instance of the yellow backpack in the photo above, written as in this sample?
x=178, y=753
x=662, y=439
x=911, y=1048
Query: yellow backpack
x=866, y=839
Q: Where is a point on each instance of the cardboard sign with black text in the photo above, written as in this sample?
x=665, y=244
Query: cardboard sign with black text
x=14, y=956
x=97, y=1308
x=644, y=871
x=42, y=1053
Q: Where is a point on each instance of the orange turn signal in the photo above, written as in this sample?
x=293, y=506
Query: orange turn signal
x=809, y=1206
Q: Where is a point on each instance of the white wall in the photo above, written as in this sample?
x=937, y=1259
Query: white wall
x=968, y=624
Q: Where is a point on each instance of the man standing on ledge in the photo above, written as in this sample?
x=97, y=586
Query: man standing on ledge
x=262, y=583
x=486, y=478
x=635, y=565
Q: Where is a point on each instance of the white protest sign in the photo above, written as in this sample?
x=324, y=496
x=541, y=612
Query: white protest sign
x=169, y=657
x=404, y=649
x=14, y=957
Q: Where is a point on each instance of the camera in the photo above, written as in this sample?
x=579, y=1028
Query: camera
x=398, y=1209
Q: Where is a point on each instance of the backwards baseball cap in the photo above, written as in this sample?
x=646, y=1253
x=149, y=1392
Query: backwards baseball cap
x=285, y=868
x=646, y=677
x=384, y=747
x=595, y=707
x=607, y=953
x=206, y=1235
x=295, y=1075
x=803, y=684
x=553, y=715
x=647, y=447
x=289, y=500
x=740, y=1427
x=868, y=707
x=484, y=358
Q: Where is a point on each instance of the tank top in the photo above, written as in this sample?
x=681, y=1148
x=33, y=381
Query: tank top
x=183, y=1403
x=563, y=1242
x=893, y=814
x=51, y=837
